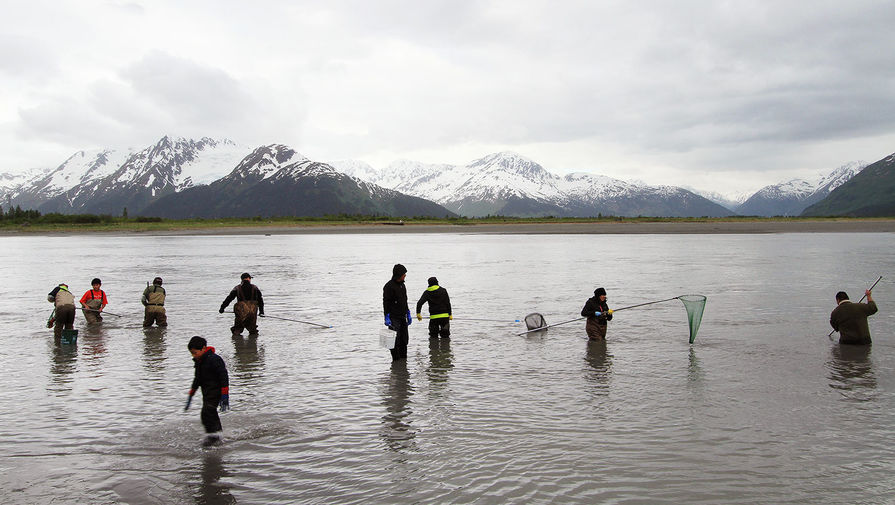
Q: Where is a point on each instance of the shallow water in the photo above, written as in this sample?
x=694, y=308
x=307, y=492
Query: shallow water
x=762, y=408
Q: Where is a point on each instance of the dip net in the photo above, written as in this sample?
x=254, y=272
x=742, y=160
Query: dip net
x=695, y=305
x=534, y=321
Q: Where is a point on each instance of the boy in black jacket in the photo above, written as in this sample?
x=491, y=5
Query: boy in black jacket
x=439, y=309
x=211, y=376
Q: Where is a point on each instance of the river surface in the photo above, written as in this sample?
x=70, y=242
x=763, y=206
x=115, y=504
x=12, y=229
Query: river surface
x=762, y=408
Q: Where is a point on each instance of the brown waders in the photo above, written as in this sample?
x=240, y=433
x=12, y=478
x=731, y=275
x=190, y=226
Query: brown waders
x=245, y=316
x=595, y=330
x=155, y=308
x=93, y=316
x=65, y=318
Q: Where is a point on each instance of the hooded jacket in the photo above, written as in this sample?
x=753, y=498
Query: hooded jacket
x=211, y=375
x=394, y=295
x=594, y=305
x=439, y=302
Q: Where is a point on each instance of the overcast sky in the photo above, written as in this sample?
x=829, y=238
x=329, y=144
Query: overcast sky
x=718, y=95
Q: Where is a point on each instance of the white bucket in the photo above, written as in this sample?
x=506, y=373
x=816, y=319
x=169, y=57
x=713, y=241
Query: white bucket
x=387, y=337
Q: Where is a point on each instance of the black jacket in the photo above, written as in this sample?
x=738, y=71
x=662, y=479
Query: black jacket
x=594, y=305
x=245, y=292
x=439, y=301
x=211, y=375
x=394, y=299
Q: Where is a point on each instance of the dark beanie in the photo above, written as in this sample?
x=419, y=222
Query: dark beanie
x=433, y=281
x=198, y=343
x=841, y=296
x=599, y=291
x=245, y=276
x=398, y=270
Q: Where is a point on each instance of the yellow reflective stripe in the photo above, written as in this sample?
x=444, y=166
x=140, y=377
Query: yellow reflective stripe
x=439, y=316
x=433, y=288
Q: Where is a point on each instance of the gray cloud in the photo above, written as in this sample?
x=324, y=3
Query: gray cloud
x=692, y=87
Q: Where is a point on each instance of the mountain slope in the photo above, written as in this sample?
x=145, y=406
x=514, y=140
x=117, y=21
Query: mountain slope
x=792, y=197
x=169, y=166
x=869, y=193
x=276, y=181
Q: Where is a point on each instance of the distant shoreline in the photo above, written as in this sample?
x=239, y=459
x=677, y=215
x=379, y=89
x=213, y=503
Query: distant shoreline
x=623, y=227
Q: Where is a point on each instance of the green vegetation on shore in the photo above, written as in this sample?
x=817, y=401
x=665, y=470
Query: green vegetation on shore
x=19, y=221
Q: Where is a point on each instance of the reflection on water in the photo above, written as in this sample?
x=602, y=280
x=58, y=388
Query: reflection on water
x=211, y=490
x=249, y=361
x=92, y=340
x=64, y=361
x=396, y=430
x=440, y=361
x=851, y=371
x=154, y=347
x=746, y=414
x=600, y=366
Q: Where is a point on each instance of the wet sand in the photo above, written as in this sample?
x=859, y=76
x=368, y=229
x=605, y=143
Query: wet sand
x=875, y=225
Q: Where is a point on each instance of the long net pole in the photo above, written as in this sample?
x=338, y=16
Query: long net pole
x=580, y=318
x=298, y=321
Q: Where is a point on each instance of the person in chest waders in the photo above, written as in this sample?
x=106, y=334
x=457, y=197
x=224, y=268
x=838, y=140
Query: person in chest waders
x=249, y=305
x=154, y=302
x=93, y=302
x=397, y=314
x=64, y=302
x=439, y=309
x=850, y=319
x=598, y=314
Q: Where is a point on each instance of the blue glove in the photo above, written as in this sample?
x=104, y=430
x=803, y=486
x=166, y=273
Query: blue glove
x=408, y=317
x=598, y=314
x=189, y=400
x=388, y=320
x=225, y=402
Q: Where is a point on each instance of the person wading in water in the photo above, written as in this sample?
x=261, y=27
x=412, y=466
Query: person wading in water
x=93, y=302
x=249, y=305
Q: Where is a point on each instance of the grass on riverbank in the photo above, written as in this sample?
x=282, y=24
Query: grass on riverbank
x=45, y=224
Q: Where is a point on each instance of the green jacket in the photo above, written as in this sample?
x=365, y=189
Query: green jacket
x=850, y=320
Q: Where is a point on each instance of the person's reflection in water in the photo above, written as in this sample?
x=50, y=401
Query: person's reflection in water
x=440, y=361
x=154, y=347
x=64, y=361
x=851, y=371
x=93, y=342
x=396, y=429
x=211, y=490
x=249, y=362
x=600, y=362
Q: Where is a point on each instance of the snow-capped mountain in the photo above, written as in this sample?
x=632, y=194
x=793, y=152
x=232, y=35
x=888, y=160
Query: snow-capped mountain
x=509, y=184
x=275, y=180
x=108, y=181
x=791, y=197
x=871, y=192
x=728, y=201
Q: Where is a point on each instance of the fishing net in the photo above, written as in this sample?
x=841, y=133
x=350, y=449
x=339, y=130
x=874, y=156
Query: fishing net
x=695, y=305
x=534, y=321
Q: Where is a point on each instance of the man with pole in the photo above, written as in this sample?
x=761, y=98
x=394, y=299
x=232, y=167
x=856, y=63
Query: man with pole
x=249, y=305
x=850, y=319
